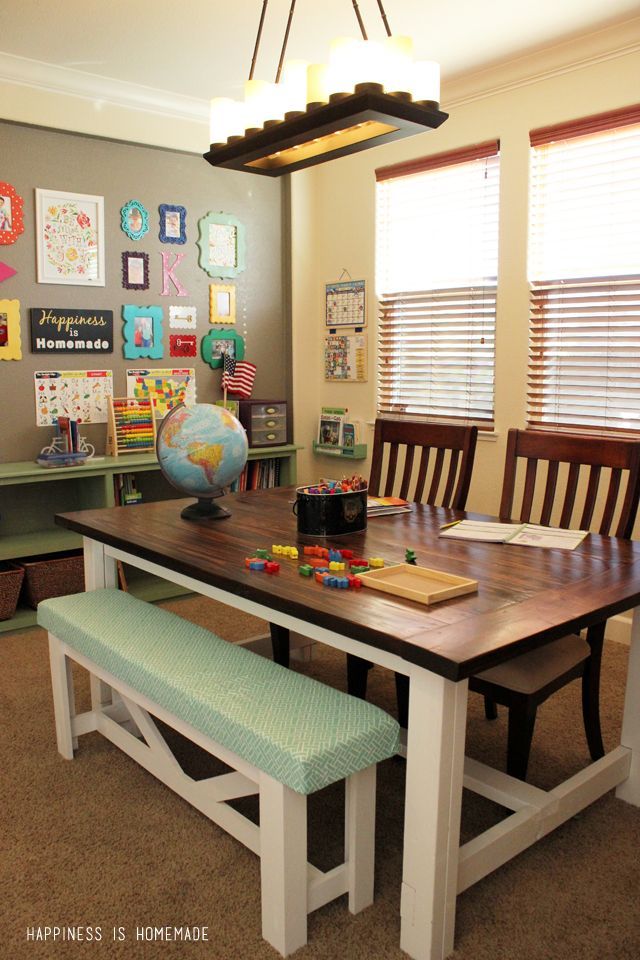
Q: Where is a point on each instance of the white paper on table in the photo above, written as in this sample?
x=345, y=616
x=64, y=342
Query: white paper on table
x=532, y=535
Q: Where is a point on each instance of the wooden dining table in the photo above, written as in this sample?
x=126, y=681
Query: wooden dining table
x=526, y=597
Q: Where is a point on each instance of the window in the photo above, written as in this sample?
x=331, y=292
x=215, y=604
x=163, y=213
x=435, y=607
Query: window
x=584, y=272
x=436, y=275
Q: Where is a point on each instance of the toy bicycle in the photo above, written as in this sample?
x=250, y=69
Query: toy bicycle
x=57, y=447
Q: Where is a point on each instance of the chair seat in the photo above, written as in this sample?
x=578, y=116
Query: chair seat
x=531, y=672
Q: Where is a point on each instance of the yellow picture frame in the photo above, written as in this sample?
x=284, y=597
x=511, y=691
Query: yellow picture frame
x=10, y=318
x=222, y=303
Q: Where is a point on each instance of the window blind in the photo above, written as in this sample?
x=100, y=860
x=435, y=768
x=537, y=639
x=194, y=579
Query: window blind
x=584, y=261
x=436, y=274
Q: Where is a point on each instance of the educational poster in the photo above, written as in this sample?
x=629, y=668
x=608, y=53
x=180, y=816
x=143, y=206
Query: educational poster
x=345, y=304
x=79, y=394
x=345, y=357
x=166, y=387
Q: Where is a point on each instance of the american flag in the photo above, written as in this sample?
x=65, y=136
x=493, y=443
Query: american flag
x=238, y=376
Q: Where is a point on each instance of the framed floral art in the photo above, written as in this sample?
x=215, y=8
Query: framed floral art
x=70, y=238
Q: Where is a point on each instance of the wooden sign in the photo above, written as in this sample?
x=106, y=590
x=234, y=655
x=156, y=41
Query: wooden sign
x=71, y=331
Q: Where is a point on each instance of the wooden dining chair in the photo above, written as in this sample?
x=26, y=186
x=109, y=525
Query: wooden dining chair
x=410, y=457
x=588, y=483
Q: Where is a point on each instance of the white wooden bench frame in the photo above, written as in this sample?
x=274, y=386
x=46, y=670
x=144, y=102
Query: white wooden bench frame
x=291, y=887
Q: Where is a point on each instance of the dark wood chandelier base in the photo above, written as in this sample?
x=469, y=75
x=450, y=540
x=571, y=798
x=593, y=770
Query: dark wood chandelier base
x=348, y=123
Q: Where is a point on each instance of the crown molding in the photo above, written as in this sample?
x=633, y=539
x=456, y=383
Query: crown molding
x=49, y=78
x=611, y=43
x=620, y=40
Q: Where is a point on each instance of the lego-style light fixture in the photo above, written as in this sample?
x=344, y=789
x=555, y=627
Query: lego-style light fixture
x=369, y=93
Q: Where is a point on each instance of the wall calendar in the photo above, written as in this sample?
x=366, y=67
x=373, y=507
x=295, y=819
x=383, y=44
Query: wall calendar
x=345, y=304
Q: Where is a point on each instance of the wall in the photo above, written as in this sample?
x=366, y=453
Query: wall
x=333, y=227
x=35, y=157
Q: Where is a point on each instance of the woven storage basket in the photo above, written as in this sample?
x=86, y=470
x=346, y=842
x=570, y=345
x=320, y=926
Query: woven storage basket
x=52, y=576
x=11, y=576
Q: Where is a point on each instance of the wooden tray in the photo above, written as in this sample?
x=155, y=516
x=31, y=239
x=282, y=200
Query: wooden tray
x=418, y=583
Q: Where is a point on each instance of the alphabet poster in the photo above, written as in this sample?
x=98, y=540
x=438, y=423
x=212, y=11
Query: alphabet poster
x=79, y=394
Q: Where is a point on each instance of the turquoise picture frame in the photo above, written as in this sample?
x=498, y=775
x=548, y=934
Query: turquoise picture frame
x=222, y=244
x=142, y=332
x=134, y=219
x=218, y=342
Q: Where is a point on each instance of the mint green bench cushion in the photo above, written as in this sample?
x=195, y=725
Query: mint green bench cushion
x=301, y=732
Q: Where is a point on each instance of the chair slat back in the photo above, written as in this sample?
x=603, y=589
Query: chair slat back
x=601, y=458
x=398, y=441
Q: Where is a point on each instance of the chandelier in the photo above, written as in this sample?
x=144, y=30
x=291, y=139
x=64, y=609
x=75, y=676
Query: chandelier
x=368, y=93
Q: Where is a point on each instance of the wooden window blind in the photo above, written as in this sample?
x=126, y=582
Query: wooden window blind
x=584, y=272
x=436, y=275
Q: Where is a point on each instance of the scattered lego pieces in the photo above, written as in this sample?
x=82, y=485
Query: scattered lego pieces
x=336, y=565
x=279, y=551
x=335, y=554
x=305, y=570
x=315, y=551
x=255, y=563
x=358, y=562
x=359, y=568
x=376, y=562
x=410, y=557
x=263, y=554
x=271, y=566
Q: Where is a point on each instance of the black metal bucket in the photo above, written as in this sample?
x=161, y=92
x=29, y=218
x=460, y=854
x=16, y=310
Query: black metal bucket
x=330, y=514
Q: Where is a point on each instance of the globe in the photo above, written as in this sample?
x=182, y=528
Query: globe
x=201, y=449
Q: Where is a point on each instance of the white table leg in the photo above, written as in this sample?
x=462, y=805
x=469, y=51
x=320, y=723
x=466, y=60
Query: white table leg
x=435, y=761
x=629, y=790
x=99, y=572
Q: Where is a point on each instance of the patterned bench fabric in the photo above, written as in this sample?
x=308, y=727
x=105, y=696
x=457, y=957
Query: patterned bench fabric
x=301, y=732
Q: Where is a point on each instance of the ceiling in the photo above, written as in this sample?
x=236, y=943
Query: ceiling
x=202, y=48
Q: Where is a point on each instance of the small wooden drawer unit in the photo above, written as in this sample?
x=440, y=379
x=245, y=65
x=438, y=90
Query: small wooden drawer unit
x=265, y=422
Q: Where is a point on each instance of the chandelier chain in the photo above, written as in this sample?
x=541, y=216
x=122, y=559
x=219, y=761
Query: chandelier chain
x=263, y=13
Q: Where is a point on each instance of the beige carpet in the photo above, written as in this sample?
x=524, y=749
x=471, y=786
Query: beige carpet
x=101, y=843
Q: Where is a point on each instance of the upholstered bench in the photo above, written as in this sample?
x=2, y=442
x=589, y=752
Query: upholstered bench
x=284, y=734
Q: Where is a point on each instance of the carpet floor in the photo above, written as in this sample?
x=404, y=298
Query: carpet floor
x=100, y=843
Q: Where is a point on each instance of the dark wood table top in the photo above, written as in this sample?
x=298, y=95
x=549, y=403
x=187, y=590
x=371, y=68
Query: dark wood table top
x=526, y=595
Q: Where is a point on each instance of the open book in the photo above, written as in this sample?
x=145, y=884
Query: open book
x=521, y=534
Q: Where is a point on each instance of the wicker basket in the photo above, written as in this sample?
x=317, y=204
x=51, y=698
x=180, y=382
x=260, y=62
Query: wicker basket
x=11, y=576
x=52, y=576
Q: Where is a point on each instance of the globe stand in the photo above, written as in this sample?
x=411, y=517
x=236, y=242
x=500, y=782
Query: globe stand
x=205, y=509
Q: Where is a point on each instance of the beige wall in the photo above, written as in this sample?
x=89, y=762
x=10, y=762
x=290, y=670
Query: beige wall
x=333, y=228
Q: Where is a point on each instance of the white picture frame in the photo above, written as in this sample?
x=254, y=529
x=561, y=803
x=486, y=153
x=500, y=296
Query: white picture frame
x=70, y=244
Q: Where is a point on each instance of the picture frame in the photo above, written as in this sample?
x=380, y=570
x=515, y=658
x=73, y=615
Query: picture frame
x=10, y=342
x=218, y=342
x=222, y=244
x=183, y=317
x=173, y=223
x=142, y=332
x=70, y=238
x=11, y=213
x=222, y=303
x=134, y=219
x=135, y=270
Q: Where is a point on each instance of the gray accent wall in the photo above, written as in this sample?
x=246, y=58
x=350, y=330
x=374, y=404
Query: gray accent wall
x=33, y=157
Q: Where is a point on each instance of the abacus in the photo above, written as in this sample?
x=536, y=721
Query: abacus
x=131, y=426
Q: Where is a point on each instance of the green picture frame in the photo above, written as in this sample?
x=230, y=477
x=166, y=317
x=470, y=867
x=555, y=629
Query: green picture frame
x=222, y=243
x=218, y=342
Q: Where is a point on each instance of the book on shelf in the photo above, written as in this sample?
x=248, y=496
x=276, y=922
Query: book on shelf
x=519, y=534
x=331, y=426
x=383, y=506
